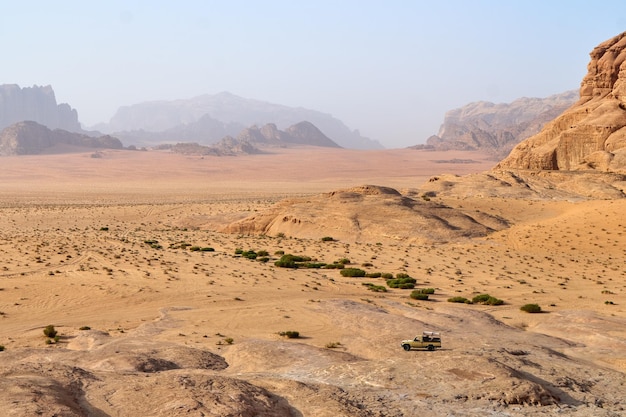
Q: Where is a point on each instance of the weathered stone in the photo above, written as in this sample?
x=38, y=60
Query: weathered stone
x=591, y=135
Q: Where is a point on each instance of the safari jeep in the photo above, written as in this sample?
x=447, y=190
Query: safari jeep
x=428, y=340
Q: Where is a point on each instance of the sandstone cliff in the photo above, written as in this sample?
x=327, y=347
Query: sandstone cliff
x=37, y=104
x=497, y=128
x=303, y=133
x=591, y=135
x=30, y=138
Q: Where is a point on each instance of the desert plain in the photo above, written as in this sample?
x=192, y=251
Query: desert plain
x=100, y=248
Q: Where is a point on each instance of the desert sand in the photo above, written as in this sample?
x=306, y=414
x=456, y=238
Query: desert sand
x=149, y=327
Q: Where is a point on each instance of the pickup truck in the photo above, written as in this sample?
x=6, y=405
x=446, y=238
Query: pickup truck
x=428, y=340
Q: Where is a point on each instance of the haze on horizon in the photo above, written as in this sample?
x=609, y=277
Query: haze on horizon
x=389, y=69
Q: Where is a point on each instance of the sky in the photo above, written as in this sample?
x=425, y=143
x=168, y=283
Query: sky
x=390, y=69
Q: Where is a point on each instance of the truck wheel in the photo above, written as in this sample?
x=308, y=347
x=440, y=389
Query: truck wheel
x=431, y=347
x=406, y=347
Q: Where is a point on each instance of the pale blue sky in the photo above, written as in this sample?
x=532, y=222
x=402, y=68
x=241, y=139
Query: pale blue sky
x=388, y=68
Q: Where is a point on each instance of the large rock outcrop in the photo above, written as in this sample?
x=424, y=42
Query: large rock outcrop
x=497, y=128
x=302, y=133
x=37, y=104
x=30, y=138
x=591, y=135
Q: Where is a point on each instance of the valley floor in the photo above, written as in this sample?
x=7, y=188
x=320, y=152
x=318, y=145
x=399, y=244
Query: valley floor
x=101, y=249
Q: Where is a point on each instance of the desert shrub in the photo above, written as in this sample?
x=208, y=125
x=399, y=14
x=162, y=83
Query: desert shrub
x=344, y=261
x=328, y=239
x=263, y=253
x=374, y=287
x=334, y=266
x=352, y=272
x=459, y=300
x=531, y=308
x=263, y=259
x=229, y=340
x=238, y=251
x=333, y=345
x=104, y=229
x=314, y=265
x=207, y=249
x=84, y=328
x=279, y=252
x=291, y=261
x=487, y=299
x=386, y=275
x=50, y=331
x=1, y=348
x=427, y=290
x=404, y=282
x=401, y=275
x=249, y=254
x=373, y=275
x=194, y=248
x=290, y=334
x=418, y=295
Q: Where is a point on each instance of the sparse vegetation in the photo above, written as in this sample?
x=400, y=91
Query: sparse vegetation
x=328, y=239
x=374, y=287
x=531, y=308
x=459, y=299
x=402, y=281
x=352, y=272
x=487, y=299
x=50, y=331
x=418, y=295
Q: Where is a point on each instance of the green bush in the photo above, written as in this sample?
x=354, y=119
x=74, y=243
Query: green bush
x=291, y=261
x=334, y=266
x=352, y=272
x=1, y=348
x=404, y=282
x=386, y=275
x=50, y=331
x=207, y=249
x=373, y=275
x=531, y=308
x=290, y=334
x=374, y=287
x=84, y=328
x=426, y=290
x=194, y=248
x=487, y=299
x=402, y=275
x=343, y=261
x=328, y=239
x=459, y=300
x=263, y=253
x=418, y=295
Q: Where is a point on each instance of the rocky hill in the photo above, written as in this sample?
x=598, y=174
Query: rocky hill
x=302, y=133
x=37, y=104
x=497, y=128
x=31, y=138
x=590, y=135
x=208, y=118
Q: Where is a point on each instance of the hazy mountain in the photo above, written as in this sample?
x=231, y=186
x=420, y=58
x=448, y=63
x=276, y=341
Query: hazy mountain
x=37, y=104
x=497, y=128
x=31, y=138
x=208, y=118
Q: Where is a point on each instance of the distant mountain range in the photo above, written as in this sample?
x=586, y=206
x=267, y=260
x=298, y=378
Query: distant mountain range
x=497, y=128
x=206, y=119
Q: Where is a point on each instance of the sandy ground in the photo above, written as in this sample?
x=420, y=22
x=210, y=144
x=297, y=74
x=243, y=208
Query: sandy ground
x=96, y=242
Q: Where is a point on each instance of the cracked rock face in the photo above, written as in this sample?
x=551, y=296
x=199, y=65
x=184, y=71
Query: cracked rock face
x=590, y=135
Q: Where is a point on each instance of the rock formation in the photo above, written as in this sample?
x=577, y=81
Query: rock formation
x=37, y=104
x=368, y=212
x=497, y=128
x=591, y=135
x=30, y=138
x=302, y=133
